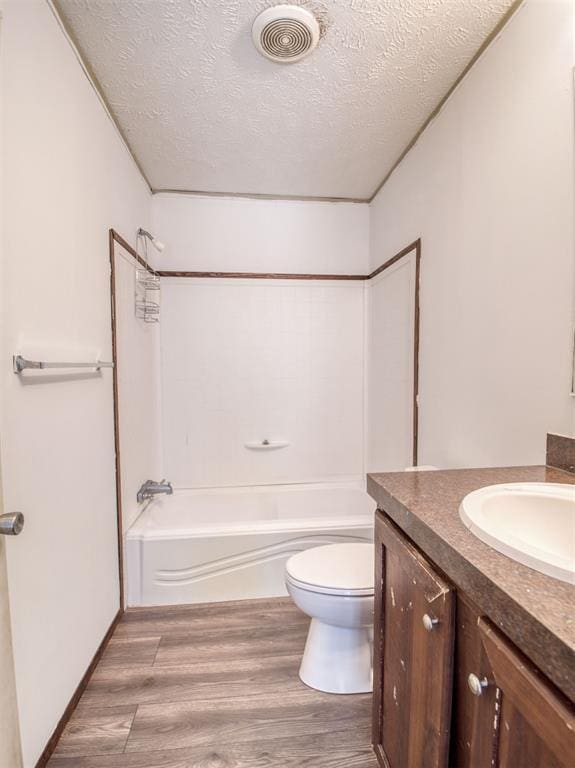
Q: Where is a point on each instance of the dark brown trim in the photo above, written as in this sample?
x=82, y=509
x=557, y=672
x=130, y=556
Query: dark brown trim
x=114, y=237
x=259, y=275
x=417, y=321
x=76, y=696
x=415, y=246
x=127, y=247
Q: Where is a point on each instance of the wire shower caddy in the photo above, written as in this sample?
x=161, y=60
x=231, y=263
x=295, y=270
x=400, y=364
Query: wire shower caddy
x=147, y=296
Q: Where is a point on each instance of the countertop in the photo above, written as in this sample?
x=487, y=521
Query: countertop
x=535, y=611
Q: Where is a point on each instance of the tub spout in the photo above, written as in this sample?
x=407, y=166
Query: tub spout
x=152, y=488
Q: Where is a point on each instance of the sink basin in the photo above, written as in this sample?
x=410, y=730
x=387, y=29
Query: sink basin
x=533, y=523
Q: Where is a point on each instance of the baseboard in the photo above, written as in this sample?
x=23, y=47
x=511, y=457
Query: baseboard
x=72, y=704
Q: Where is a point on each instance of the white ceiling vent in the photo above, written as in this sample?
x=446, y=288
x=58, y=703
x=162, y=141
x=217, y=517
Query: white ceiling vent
x=285, y=33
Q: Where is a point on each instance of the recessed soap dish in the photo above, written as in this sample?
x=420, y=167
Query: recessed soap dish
x=267, y=445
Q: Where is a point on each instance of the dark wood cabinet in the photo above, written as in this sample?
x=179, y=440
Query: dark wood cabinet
x=450, y=690
x=475, y=718
x=536, y=724
x=415, y=642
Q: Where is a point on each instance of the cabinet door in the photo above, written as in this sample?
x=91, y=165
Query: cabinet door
x=475, y=720
x=414, y=643
x=537, y=724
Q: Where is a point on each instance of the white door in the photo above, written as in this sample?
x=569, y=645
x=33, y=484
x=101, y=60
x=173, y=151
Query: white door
x=9, y=732
x=391, y=331
x=57, y=426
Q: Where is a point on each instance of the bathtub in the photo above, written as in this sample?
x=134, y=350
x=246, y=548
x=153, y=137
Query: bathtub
x=228, y=544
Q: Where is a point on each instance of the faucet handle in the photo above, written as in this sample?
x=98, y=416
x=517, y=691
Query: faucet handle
x=152, y=487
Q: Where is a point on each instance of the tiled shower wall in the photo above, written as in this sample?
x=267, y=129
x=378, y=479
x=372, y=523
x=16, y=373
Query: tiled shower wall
x=249, y=360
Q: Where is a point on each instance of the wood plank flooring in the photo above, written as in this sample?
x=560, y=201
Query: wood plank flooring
x=212, y=686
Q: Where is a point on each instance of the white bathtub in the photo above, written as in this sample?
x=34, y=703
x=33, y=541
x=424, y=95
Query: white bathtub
x=229, y=544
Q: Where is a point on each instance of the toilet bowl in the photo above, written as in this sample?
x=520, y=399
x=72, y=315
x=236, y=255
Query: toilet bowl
x=333, y=585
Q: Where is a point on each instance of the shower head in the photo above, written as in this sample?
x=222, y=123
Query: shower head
x=158, y=245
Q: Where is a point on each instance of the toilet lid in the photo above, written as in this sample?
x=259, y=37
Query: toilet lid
x=338, y=568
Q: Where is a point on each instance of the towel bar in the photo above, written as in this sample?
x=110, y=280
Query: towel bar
x=21, y=364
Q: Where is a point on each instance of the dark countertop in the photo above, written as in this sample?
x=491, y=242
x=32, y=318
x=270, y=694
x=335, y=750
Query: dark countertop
x=535, y=611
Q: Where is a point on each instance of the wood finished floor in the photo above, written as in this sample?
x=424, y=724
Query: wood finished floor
x=212, y=686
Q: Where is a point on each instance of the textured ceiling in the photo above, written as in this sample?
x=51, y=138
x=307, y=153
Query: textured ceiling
x=203, y=111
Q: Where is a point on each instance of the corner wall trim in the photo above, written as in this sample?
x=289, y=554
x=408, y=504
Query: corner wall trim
x=415, y=245
x=258, y=275
x=114, y=237
x=416, y=327
x=76, y=696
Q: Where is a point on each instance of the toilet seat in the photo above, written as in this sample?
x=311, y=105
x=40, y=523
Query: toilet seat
x=336, y=592
x=335, y=569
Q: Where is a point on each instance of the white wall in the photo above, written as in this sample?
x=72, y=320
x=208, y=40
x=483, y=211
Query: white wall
x=489, y=188
x=245, y=361
x=10, y=752
x=66, y=179
x=244, y=235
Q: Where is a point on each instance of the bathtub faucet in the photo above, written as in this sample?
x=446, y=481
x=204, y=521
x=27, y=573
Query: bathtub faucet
x=151, y=488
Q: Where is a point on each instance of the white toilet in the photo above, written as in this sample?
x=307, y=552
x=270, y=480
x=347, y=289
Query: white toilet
x=334, y=586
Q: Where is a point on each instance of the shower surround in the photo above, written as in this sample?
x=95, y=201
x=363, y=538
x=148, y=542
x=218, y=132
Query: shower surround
x=262, y=389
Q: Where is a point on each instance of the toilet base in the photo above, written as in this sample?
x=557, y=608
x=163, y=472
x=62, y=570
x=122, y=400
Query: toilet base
x=338, y=659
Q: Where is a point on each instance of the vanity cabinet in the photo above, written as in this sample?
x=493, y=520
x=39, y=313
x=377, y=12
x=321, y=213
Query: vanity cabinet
x=414, y=634
x=475, y=717
x=536, y=725
x=450, y=690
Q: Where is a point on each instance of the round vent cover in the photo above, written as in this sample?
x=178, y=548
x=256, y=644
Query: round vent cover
x=285, y=33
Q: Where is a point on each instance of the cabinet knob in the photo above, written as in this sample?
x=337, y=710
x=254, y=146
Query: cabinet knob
x=476, y=684
x=429, y=622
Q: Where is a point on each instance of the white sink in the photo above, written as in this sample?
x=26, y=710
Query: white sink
x=533, y=523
